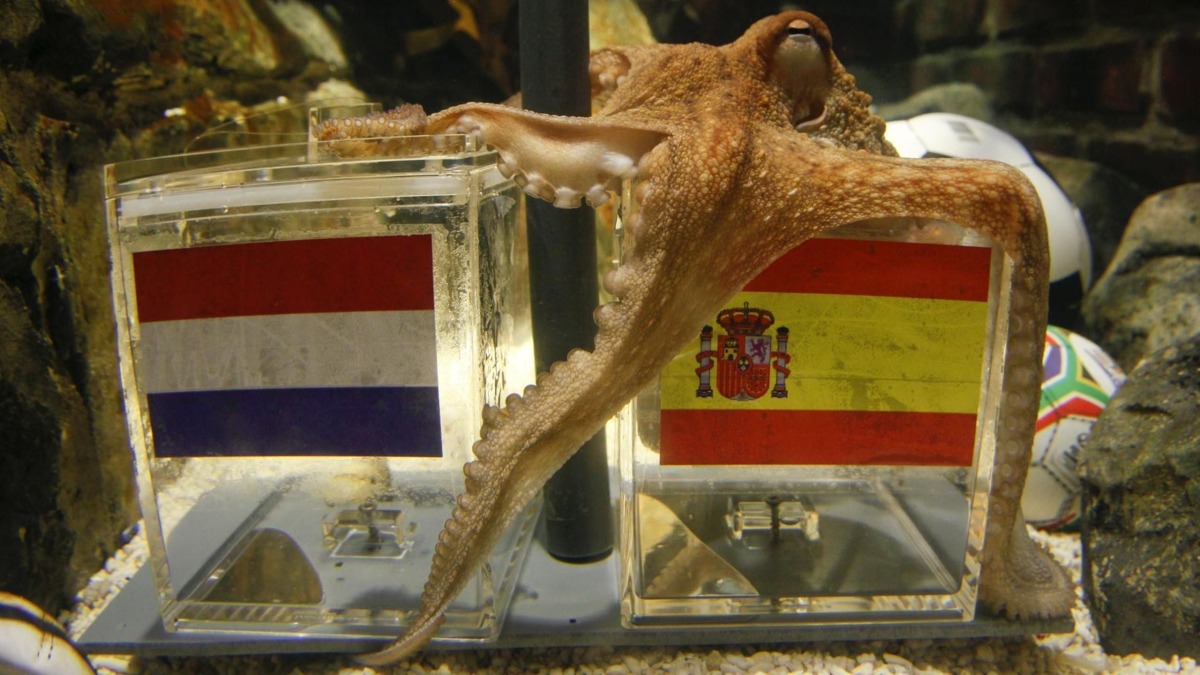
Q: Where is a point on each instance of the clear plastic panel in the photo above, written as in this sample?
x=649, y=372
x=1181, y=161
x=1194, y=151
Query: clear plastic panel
x=823, y=452
x=300, y=408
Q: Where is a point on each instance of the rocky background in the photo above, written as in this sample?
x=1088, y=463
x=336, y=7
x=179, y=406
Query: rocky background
x=1107, y=92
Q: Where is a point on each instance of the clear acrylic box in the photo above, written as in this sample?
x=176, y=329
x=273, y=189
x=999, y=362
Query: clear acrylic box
x=306, y=345
x=822, y=452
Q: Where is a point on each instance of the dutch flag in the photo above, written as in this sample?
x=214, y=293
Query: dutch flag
x=310, y=347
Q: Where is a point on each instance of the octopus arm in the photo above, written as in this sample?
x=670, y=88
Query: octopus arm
x=726, y=184
x=609, y=68
x=558, y=159
x=718, y=205
x=813, y=188
x=521, y=446
x=525, y=442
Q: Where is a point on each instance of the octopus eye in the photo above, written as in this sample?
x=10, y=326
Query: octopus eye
x=799, y=27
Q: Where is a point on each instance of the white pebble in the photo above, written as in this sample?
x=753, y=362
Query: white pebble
x=738, y=660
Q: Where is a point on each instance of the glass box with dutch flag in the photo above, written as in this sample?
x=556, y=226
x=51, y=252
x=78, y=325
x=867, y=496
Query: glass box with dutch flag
x=821, y=452
x=306, y=344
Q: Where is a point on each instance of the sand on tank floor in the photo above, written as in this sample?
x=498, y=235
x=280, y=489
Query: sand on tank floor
x=1079, y=652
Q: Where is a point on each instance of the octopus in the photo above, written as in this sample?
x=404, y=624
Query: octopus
x=739, y=153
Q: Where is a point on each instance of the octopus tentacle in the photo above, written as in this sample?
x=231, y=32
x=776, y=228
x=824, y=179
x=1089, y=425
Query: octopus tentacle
x=376, y=134
x=726, y=186
x=402, y=120
x=1018, y=577
x=558, y=159
x=609, y=68
x=526, y=442
x=523, y=449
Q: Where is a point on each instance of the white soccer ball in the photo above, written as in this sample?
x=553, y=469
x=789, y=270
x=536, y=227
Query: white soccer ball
x=961, y=137
x=1080, y=379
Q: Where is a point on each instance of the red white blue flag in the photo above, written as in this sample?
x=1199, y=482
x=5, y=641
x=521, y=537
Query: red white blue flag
x=306, y=347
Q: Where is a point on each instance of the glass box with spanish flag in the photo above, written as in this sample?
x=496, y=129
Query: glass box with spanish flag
x=821, y=452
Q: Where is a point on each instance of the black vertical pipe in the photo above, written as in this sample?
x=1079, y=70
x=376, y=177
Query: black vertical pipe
x=562, y=271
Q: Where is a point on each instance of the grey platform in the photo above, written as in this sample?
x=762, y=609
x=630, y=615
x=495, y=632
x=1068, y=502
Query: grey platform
x=555, y=605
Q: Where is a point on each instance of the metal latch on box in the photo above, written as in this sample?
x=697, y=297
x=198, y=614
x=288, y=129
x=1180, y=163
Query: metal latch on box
x=758, y=524
x=367, y=532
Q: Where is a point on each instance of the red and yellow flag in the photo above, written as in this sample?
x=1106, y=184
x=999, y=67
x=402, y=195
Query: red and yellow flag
x=845, y=351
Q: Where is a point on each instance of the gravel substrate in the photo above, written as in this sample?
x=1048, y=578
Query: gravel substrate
x=1067, y=653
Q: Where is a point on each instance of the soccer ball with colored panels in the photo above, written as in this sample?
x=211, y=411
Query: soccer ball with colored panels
x=1078, y=382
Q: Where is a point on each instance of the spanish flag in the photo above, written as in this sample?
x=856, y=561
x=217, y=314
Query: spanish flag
x=844, y=351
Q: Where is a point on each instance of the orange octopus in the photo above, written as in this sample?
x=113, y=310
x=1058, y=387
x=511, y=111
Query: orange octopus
x=741, y=152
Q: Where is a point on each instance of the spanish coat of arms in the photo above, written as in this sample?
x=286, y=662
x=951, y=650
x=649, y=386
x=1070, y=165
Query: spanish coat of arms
x=743, y=357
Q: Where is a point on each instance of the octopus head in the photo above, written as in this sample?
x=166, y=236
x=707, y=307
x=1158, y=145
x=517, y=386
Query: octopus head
x=798, y=49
